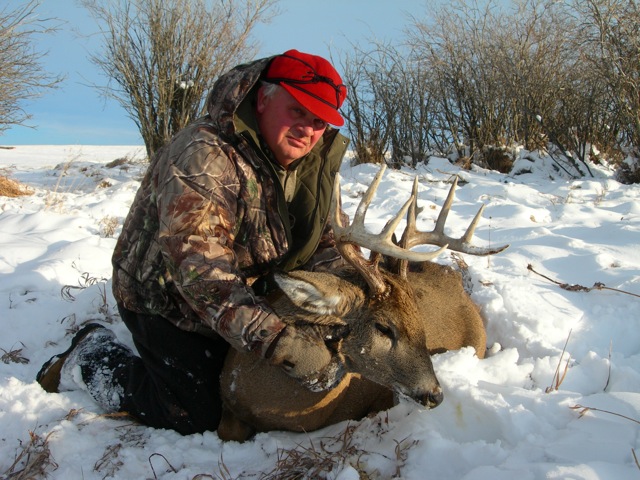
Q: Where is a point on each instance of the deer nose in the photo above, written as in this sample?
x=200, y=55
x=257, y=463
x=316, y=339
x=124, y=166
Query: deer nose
x=433, y=398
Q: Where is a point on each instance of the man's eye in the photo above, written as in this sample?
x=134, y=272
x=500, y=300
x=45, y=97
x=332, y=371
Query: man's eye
x=319, y=124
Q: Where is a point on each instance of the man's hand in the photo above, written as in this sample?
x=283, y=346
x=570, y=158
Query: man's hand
x=303, y=355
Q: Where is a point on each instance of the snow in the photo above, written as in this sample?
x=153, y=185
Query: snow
x=503, y=417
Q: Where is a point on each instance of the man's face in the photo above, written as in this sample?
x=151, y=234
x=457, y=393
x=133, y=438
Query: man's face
x=289, y=129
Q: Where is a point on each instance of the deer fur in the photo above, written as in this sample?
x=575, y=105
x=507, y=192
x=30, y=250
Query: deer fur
x=429, y=313
x=379, y=325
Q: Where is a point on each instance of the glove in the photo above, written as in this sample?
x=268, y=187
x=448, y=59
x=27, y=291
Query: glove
x=303, y=355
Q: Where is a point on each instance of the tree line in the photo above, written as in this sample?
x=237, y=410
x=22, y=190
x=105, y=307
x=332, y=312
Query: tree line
x=472, y=81
x=475, y=80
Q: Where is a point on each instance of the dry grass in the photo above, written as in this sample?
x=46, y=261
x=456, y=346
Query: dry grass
x=86, y=281
x=11, y=188
x=54, y=198
x=32, y=461
x=13, y=356
x=558, y=376
x=108, y=226
x=582, y=411
x=329, y=456
x=317, y=461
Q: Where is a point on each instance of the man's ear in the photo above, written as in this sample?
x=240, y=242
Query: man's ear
x=320, y=293
x=261, y=100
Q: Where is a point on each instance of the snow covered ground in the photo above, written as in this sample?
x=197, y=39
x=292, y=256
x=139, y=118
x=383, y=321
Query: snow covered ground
x=507, y=416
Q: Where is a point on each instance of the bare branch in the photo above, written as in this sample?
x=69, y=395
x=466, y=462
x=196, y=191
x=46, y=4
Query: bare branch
x=22, y=77
x=161, y=57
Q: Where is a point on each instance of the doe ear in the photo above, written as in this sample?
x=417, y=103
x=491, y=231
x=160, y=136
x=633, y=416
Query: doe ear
x=318, y=292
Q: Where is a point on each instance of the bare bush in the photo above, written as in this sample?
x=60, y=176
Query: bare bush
x=476, y=79
x=366, y=124
x=628, y=172
x=161, y=57
x=454, y=44
x=495, y=74
x=610, y=44
x=409, y=105
x=389, y=108
x=22, y=76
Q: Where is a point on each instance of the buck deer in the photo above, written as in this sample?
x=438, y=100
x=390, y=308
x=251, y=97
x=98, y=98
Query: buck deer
x=381, y=325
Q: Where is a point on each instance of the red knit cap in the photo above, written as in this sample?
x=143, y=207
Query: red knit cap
x=312, y=81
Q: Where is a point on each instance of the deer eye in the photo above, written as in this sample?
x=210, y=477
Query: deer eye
x=385, y=330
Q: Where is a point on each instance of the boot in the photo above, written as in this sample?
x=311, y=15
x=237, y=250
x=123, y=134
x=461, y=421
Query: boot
x=96, y=362
x=49, y=375
x=99, y=365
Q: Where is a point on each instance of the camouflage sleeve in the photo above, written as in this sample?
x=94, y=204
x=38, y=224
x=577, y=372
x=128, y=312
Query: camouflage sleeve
x=198, y=203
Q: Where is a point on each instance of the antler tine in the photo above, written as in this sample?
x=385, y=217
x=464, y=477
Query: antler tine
x=413, y=237
x=361, y=211
x=357, y=225
x=446, y=207
x=466, y=238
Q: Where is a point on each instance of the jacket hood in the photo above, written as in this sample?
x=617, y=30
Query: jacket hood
x=230, y=90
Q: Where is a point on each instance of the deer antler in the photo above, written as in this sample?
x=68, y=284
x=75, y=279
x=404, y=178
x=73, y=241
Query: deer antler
x=412, y=236
x=349, y=237
x=381, y=243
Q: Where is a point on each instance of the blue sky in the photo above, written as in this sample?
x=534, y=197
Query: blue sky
x=76, y=114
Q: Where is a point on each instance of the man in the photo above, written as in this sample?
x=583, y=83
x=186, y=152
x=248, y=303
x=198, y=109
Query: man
x=239, y=193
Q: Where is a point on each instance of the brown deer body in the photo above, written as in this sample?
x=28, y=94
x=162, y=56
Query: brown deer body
x=390, y=322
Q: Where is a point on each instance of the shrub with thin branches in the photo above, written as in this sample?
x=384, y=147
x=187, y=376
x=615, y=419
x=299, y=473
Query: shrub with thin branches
x=161, y=57
x=22, y=76
x=475, y=80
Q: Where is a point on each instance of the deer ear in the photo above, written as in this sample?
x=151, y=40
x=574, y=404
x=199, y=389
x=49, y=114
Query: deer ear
x=320, y=293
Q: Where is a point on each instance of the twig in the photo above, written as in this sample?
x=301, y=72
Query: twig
x=172, y=469
x=556, y=381
x=584, y=410
x=580, y=288
x=14, y=355
x=107, y=459
x=609, y=374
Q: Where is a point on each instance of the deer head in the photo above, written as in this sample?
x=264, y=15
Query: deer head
x=379, y=323
x=385, y=336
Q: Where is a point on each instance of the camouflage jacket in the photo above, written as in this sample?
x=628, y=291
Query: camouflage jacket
x=211, y=216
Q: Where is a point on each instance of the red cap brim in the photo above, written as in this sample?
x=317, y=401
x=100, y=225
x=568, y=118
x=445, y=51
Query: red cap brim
x=315, y=106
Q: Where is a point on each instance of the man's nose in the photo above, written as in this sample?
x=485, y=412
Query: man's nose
x=306, y=128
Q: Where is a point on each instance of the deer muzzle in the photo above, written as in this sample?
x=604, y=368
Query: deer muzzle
x=427, y=398
x=433, y=398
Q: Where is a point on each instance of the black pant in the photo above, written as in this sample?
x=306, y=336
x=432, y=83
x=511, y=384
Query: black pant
x=174, y=383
